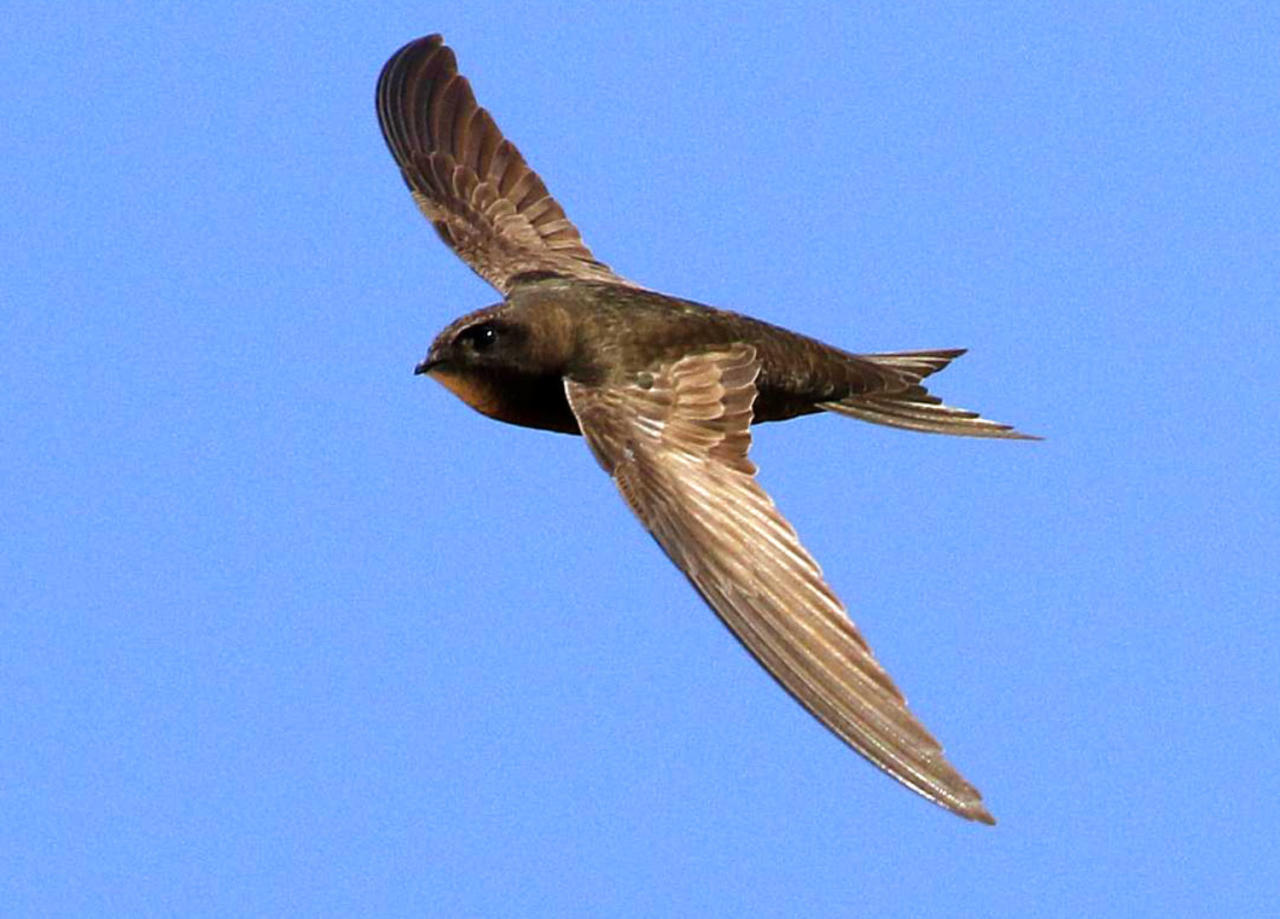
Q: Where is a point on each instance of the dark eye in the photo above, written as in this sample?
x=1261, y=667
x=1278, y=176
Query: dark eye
x=481, y=337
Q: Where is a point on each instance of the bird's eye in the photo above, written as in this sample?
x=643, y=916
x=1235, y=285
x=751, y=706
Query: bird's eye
x=482, y=337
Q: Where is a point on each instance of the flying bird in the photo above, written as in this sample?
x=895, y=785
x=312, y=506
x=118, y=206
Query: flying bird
x=665, y=391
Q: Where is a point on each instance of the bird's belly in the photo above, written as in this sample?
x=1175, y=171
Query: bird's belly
x=779, y=406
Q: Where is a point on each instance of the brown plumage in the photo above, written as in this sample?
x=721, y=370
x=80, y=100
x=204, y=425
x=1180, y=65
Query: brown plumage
x=665, y=392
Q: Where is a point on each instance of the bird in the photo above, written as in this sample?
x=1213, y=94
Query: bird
x=664, y=391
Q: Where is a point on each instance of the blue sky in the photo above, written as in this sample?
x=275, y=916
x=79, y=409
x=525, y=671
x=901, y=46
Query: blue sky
x=288, y=630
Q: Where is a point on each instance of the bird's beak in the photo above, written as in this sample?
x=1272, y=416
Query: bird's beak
x=429, y=363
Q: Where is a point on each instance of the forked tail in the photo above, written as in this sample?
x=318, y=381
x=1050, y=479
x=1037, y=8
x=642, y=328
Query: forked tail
x=912, y=406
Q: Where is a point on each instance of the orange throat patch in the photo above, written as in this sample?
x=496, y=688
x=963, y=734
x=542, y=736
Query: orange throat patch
x=479, y=393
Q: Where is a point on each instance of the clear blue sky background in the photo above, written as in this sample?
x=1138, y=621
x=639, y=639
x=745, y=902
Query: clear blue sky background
x=288, y=630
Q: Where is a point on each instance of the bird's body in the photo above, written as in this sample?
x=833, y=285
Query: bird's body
x=665, y=391
x=597, y=332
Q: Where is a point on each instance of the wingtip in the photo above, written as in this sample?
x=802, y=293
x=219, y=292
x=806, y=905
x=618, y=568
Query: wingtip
x=970, y=809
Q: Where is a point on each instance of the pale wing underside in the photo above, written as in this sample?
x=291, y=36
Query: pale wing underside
x=470, y=182
x=677, y=450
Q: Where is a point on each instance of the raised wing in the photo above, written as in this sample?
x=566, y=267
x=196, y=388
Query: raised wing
x=470, y=182
x=677, y=450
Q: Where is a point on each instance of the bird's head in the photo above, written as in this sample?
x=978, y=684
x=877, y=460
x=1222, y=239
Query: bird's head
x=480, y=342
x=485, y=358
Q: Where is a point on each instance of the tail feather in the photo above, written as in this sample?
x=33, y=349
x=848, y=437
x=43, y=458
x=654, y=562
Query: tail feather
x=913, y=407
x=916, y=365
